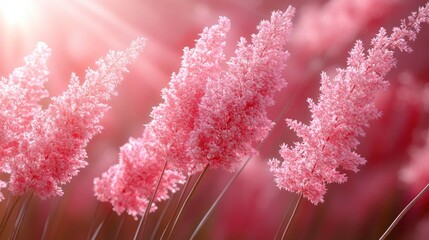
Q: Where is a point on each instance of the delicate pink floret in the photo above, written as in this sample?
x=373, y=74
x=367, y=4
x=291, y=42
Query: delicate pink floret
x=51, y=147
x=20, y=95
x=344, y=109
x=129, y=184
x=232, y=115
x=214, y=111
x=174, y=119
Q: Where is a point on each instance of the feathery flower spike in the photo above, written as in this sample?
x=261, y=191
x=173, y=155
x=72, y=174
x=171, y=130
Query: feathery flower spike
x=213, y=112
x=344, y=109
x=174, y=119
x=180, y=122
x=20, y=94
x=233, y=111
x=52, y=149
x=129, y=184
x=163, y=137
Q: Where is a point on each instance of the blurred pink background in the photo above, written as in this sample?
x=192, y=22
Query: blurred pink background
x=79, y=32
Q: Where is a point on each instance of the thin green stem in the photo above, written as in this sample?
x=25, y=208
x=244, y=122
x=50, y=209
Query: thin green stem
x=187, y=199
x=404, y=211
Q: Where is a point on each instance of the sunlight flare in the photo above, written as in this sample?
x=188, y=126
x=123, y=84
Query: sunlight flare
x=16, y=12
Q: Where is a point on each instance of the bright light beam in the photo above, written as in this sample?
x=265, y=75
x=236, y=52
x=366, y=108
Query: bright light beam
x=16, y=12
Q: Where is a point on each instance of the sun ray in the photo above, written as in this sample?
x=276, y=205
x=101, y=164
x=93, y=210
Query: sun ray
x=17, y=12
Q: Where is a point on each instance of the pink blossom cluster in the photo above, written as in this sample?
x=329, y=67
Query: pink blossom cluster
x=213, y=111
x=20, y=95
x=142, y=160
x=174, y=119
x=233, y=112
x=128, y=184
x=43, y=148
x=344, y=109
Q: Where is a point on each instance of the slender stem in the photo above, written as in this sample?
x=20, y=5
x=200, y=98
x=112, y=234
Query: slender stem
x=149, y=206
x=94, y=236
x=281, y=224
x=187, y=199
x=97, y=209
x=215, y=203
x=404, y=211
x=59, y=220
x=292, y=216
x=52, y=211
x=8, y=213
x=6, y=210
x=176, y=209
x=20, y=217
x=286, y=107
x=136, y=234
x=283, y=221
x=161, y=217
x=118, y=230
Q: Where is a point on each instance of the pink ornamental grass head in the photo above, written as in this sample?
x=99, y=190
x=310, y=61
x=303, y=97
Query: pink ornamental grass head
x=232, y=115
x=20, y=95
x=191, y=128
x=52, y=150
x=344, y=109
x=174, y=119
x=214, y=111
x=130, y=184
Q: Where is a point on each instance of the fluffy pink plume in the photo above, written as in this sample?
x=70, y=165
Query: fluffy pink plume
x=232, y=115
x=19, y=97
x=174, y=119
x=142, y=160
x=344, y=109
x=46, y=148
x=214, y=111
x=20, y=94
x=129, y=185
